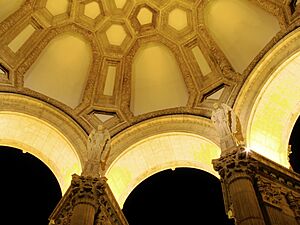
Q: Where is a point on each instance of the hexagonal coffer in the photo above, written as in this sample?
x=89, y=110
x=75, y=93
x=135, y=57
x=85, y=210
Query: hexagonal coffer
x=144, y=17
x=114, y=37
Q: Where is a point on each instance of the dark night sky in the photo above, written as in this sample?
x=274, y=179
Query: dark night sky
x=183, y=196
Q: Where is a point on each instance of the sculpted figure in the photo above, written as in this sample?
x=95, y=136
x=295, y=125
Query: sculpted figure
x=227, y=124
x=98, y=149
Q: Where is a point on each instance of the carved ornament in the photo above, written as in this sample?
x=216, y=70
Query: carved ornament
x=270, y=192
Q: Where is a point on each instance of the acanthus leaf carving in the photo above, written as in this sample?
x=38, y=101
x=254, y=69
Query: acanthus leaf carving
x=237, y=163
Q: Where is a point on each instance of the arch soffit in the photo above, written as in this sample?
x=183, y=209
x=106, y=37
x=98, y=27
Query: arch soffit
x=155, y=145
x=165, y=124
x=261, y=77
x=59, y=127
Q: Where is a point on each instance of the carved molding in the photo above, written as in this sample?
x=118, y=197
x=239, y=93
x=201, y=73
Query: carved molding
x=270, y=192
x=294, y=203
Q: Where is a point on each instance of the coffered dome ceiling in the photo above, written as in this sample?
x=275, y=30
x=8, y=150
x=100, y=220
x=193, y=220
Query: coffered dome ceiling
x=119, y=62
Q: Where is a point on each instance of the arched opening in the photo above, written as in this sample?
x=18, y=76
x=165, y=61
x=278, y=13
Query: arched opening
x=294, y=142
x=158, y=144
x=180, y=196
x=269, y=102
x=30, y=191
x=42, y=140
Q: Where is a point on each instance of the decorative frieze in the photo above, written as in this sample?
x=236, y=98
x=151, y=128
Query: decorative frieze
x=269, y=191
x=294, y=203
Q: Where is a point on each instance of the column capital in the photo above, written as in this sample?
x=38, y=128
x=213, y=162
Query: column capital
x=86, y=189
x=89, y=192
x=235, y=164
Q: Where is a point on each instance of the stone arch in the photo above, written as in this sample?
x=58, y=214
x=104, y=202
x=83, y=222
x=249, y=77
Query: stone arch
x=158, y=144
x=44, y=132
x=269, y=113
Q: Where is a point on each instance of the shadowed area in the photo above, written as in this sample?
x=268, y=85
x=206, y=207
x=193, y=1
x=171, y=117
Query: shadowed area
x=295, y=147
x=180, y=196
x=29, y=189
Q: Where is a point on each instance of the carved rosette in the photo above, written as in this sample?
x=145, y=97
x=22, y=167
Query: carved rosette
x=269, y=191
x=294, y=203
x=234, y=165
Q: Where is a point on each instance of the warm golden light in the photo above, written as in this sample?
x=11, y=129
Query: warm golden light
x=156, y=153
x=7, y=7
x=156, y=84
x=144, y=16
x=178, y=19
x=61, y=70
x=92, y=10
x=116, y=34
x=275, y=112
x=57, y=7
x=43, y=141
x=232, y=22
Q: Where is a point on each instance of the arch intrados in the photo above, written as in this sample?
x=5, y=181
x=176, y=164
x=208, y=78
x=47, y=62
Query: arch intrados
x=249, y=103
x=158, y=144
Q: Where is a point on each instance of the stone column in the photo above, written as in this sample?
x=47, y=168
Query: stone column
x=86, y=192
x=236, y=171
x=88, y=201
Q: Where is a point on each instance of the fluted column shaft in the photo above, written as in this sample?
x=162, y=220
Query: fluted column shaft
x=235, y=171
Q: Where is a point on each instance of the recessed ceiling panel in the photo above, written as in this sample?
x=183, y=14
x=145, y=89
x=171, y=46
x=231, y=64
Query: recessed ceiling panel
x=21, y=38
x=61, y=70
x=157, y=81
x=144, y=16
x=240, y=28
x=92, y=10
x=178, y=19
x=57, y=7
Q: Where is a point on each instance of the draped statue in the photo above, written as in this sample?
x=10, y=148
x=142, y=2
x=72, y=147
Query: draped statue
x=227, y=125
x=98, y=150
